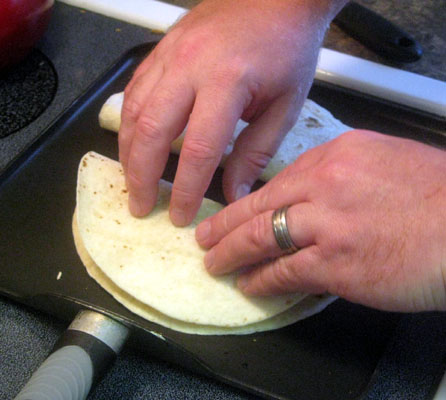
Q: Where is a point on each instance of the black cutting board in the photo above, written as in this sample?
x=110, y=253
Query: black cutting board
x=336, y=354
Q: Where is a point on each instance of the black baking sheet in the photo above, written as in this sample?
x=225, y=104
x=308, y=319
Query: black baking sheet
x=333, y=355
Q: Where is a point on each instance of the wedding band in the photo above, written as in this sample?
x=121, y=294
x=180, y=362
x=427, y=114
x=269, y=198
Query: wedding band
x=281, y=232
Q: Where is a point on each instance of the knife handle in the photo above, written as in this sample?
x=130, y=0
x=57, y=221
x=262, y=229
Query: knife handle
x=377, y=33
x=78, y=359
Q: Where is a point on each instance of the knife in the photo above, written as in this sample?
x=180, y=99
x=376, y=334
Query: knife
x=78, y=360
x=377, y=33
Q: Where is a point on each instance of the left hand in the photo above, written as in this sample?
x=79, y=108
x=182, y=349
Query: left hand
x=225, y=60
x=368, y=213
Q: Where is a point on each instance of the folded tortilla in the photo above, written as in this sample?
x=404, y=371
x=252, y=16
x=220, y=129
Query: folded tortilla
x=156, y=269
x=305, y=308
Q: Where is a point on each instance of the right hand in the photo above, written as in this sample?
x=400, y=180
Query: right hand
x=367, y=211
x=225, y=60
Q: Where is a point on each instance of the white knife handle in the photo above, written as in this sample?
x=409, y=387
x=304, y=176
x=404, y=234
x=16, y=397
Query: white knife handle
x=79, y=358
x=65, y=374
x=384, y=82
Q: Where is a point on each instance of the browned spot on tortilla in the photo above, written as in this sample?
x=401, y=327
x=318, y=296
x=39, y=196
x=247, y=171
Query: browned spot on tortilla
x=111, y=185
x=124, y=191
x=84, y=163
x=312, y=122
x=117, y=221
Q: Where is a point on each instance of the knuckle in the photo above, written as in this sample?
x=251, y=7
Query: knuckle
x=135, y=182
x=183, y=192
x=283, y=274
x=258, y=160
x=184, y=197
x=298, y=274
x=335, y=172
x=259, y=200
x=225, y=220
x=186, y=52
x=131, y=107
x=164, y=97
x=148, y=129
x=232, y=75
x=196, y=152
x=127, y=91
x=258, y=231
x=264, y=281
x=189, y=48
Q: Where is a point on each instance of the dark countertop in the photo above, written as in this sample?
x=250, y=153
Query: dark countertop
x=424, y=20
x=82, y=46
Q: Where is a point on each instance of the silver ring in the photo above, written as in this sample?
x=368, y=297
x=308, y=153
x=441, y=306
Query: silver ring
x=281, y=232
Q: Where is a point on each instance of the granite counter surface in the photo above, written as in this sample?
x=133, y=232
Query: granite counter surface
x=424, y=20
x=82, y=46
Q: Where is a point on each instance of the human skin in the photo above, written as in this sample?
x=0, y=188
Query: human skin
x=225, y=60
x=368, y=212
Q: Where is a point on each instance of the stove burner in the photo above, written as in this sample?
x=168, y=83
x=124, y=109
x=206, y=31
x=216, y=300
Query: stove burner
x=26, y=90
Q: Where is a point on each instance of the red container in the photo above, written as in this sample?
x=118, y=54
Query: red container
x=22, y=24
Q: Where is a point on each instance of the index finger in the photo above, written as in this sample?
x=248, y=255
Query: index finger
x=162, y=118
x=288, y=187
x=275, y=194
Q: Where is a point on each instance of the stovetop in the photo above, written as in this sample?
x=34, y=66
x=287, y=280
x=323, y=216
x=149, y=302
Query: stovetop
x=26, y=91
x=81, y=46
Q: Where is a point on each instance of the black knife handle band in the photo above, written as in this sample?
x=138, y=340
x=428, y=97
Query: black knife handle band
x=100, y=354
x=378, y=33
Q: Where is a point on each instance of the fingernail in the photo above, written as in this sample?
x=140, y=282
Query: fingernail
x=178, y=217
x=242, y=190
x=202, y=232
x=209, y=259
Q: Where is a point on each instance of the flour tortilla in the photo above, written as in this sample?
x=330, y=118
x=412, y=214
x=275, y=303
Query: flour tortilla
x=308, y=306
x=155, y=269
x=155, y=262
x=315, y=126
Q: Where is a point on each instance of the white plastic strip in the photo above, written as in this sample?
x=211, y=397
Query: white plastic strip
x=393, y=84
x=440, y=394
x=151, y=14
